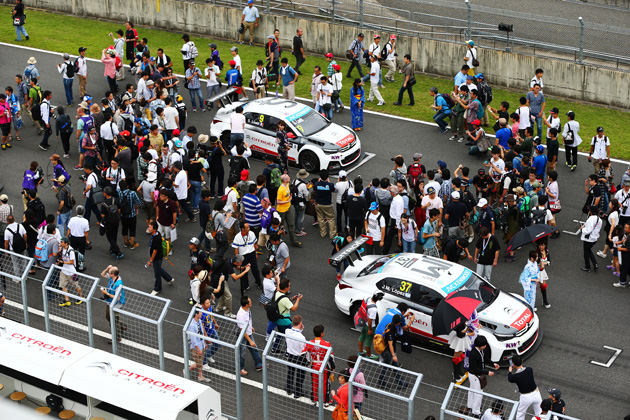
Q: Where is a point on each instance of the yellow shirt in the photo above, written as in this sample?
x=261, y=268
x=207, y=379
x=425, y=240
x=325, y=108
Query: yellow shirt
x=284, y=194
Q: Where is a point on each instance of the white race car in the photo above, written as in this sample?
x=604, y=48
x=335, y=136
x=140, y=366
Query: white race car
x=507, y=321
x=316, y=142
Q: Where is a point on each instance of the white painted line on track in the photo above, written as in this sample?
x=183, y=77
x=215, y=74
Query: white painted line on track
x=395, y=117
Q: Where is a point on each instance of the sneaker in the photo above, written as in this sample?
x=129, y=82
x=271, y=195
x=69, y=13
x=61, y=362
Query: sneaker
x=461, y=140
x=40, y=146
x=68, y=303
x=120, y=256
x=453, y=137
x=170, y=283
x=4, y=147
x=300, y=234
x=66, y=155
x=78, y=168
x=588, y=270
x=361, y=353
x=595, y=267
x=194, y=109
x=397, y=103
x=622, y=285
x=193, y=220
x=28, y=37
x=601, y=254
x=203, y=109
x=78, y=302
x=373, y=357
x=134, y=246
x=381, y=103
x=573, y=168
x=154, y=292
x=195, y=211
x=9, y=145
x=616, y=274
x=567, y=163
x=126, y=244
x=210, y=360
x=610, y=267
x=315, y=223
x=547, y=305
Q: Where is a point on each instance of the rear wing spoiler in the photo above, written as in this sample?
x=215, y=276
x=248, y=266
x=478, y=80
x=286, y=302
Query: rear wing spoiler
x=350, y=252
x=225, y=97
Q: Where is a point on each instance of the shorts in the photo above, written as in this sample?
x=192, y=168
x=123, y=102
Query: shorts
x=6, y=128
x=149, y=209
x=366, y=338
x=65, y=279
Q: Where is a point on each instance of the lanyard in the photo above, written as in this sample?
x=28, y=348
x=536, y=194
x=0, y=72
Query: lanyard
x=485, y=244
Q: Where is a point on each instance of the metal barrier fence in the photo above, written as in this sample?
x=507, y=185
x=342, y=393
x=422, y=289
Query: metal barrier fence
x=459, y=399
x=138, y=322
x=375, y=381
x=13, y=271
x=573, y=39
x=556, y=416
x=68, y=313
x=290, y=384
x=218, y=363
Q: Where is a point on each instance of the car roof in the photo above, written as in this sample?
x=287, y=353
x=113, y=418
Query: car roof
x=279, y=108
x=428, y=271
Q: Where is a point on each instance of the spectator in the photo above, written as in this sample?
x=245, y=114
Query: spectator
x=64, y=209
x=486, y=252
x=289, y=77
x=286, y=210
x=129, y=204
x=67, y=260
x=409, y=80
x=485, y=96
x=552, y=150
x=110, y=213
x=430, y=234
x=316, y=80
x=244, y=320
x=390, y=59
x=298, y=50
x=477, y=368
x=471, y=56
x=456, y=214
x=389, y=357
x=356, y=49
x=114, y=281
x=536, y=103
x=249, y=22
x=396, y=210
x=237, y=127
x=286, y=305
x=407, y=233
x=81, y=64
x=258, y=80
x=460, y=77
x=281, y=257
x=537, y=79
x=494, y=412
x=197, y=345
x=193, y=74
x=375, y=227
x=590, y=234
x=284, y=146
x=324, y=98
x=600, y=149
x=523, y=377
x=18, y=14
x=156, y=257
x=458, y=115
x=557, y=403
x=301, y=185
x=359, y=378
x=374, y=80
x=336, y=80
x=296, y=354
x=246, y=244
x=571, y=140
x=341, y=395
x=210, y=326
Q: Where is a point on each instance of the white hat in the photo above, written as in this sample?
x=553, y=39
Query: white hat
x=482, y=202
x=455, y=195
x=342, y=174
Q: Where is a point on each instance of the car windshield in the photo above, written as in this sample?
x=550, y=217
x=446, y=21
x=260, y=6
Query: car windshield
x=310, y=123
x=374, y=266
x=487, y=291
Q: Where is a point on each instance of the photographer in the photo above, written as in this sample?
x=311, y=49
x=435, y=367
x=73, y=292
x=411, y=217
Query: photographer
x=280, y=255
x=114, y=281
x=259, y=80
x=623, y=197
x=286, y=305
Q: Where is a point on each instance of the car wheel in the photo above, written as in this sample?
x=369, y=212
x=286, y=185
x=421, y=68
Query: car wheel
x=309, y=161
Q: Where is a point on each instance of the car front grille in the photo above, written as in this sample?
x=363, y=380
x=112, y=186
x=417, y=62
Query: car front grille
x=349, y=146
x=528, y=343
x=350, y=158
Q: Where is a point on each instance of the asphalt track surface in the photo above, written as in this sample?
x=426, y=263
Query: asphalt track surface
x=586, y=314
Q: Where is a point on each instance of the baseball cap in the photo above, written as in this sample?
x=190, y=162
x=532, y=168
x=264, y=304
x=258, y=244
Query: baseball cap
x=260, y=63
x=336, y=67
x=600, y=129
x=250, y=1
x=244, y=174
x=4, y=198
x=481, y=171
x=417, y=156
x=125, y=133
x=376, y=36
x=64, y=239
x=61, y=179
x=234, y=49
x=554, y=110
x=212, y=45
x=178, y=143
x=482, y=202
x=151, y=58
x=469, y=77
x=476, y=122
x=479, y=76
x=150, y=82
x=455, y=195
x=441, y=164
x=190, y=63
x=571, y=114
x=271, y=37
x=502, y=121
x=431, y=190
x=137, y=120
x=373, y=206
x=537, y=140
x=194, y=241
x=81, y=49
x=342, y=174
x=176, y=132
x=540, y=148
x=87, y=98
x=535, y=184
x=470, y=42
x=392, y=37
x=555, y=392
x=66, y=56
x=232, y=63
x=329, y=55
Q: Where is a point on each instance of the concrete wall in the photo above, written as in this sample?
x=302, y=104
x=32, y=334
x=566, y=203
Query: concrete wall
x=511, y=70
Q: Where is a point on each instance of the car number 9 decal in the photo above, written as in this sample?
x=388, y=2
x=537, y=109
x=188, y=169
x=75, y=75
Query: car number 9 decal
x=299, y=127
x=261, y=118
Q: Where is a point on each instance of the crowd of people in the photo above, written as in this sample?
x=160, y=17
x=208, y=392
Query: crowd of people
x=137, y=154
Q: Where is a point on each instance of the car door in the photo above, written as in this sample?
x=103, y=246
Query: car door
x=293, y=139
x=258, y=135
x=423, y=302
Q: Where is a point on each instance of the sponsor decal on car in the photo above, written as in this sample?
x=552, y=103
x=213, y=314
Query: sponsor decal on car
x=522, y=320
x=345, y=141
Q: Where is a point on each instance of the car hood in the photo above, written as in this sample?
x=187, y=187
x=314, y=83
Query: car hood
x=507, y=312
x=334, y=134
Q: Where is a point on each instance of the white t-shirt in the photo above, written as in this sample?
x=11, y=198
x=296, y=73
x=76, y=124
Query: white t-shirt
x=397, y=208
x=409, y=232
x=536, y=80
x=488, y=415
x=553, y=189
x=244, y=243
x=237, y=59
x=624, y=201
x=237, y=123
x=325, y=90
x=524, y=117
x=375, y=49
x=269, y=287
x=575, y=127
x=496, y=176
x=186, y=50
x=375, y=68
x=613, y=218
x=117, y=175
x=67, y=255
x=244, y=320
x=258, y=76
x=78, y=226
x=109, y=130
x=600, y=143
x=181, y=185
x=555, y=123
x=232, y=197
x=372, y=312
x=8, y=236
x=436, y=203
x=169, y=116
x=212, y=72
x=92, y=181
x=469, y=54
x=390, y=53
x=340, y=188
x=147, y=191
x=375, y=223
x=154, y=154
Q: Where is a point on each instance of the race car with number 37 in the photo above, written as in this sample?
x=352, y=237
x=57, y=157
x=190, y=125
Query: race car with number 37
x=316, y=142
x=507, y=321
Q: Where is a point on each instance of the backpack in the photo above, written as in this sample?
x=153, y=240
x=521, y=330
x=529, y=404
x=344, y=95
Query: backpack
x=421, y=239
x=523, y=205
x=360, y=318
x=538, y=216
x=27, y=73
x=469, y=200
x=378, y=343
x=18, y=243
x=487, y=91
x=237, y=164
x=79, y=264
x=272, y=309
x=344, y=196
x=384, y=52
x=41, y=250
x=194, y=52
x=75, y=66
x=275, y=177
x=40, y=211
x=415, y=175
x=127, y=125
x=113, y=214
x=512, y=176
x=125, y=204
x=479, y=110
x=448, y=99
x=500, y=219
x=69, y=70
x=369, y=196
x=36, y=108
x=296, y=200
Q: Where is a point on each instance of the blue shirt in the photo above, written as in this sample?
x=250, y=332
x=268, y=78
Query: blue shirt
x=194, y=82
x=208, y=322
x=387, y=319
x=29, y=180
x=539, y=163
x=287, y=75
x=440, y=101
x=503, y=135
x=231, y=77
x=250, y=13
x=111, y=289
x=428, y=228
x=253, y=208
x=460, y=79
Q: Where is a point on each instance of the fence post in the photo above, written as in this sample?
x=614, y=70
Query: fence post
x=160, y=331
x=469, y=34
x=360, y=13
x=270, y=342
x=333, y=10
x=581, y=39
x=24, y=293
x=45, y=297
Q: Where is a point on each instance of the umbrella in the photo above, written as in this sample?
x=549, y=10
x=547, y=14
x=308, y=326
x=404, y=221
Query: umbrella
x=453, y=309
x=528, y=235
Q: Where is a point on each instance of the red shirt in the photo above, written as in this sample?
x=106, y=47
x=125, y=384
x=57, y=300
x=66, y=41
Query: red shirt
x=167, y=209
x=317, y=353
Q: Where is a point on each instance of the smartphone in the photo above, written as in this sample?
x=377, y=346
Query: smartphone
x=511, y=363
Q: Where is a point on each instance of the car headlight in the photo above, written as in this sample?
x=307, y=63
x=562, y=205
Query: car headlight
x=330, y=151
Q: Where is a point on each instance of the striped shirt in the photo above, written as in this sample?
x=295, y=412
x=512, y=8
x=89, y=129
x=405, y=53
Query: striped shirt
x=245, y=244
x=253, y=209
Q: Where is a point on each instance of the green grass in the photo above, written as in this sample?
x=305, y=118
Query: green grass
x=47, y=32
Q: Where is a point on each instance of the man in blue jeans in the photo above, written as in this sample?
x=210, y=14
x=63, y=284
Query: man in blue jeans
x=156, y=257
x=67, y=80
x=210, y=325
x=441, y=108
x=244, y=319
x=194, y=86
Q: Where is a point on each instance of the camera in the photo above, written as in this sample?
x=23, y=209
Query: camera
x=83, y=177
